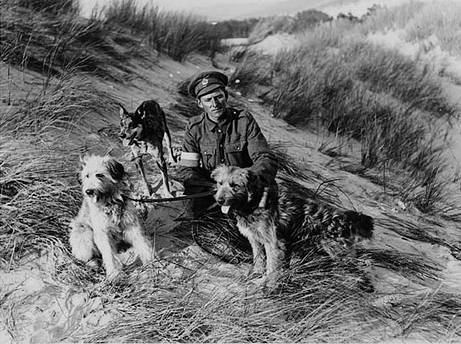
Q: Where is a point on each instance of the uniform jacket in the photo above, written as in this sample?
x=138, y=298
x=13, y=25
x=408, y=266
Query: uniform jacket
x=236, y=141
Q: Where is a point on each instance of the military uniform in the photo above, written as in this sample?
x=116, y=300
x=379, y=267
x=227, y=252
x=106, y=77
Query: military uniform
x=237, y=140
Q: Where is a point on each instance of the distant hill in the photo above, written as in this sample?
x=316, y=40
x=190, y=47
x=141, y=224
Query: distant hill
x=241, y=9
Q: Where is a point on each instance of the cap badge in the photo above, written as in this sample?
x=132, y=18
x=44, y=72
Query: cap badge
x=204, y=82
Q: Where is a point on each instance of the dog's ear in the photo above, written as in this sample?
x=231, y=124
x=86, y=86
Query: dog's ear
x=251, y=183
x=78, y=177
x=116, y=169
x=217, y=172
x=141, y=114
x=122, y=110
x=83, y=158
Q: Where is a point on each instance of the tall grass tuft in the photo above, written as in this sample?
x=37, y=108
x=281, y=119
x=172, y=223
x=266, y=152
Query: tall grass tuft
x=56, y=43
x=321, y=304
x=393, y=106
x=173, y=33
x=41, y=140
x=53, y=7
x=318, y=301
x=67, y=103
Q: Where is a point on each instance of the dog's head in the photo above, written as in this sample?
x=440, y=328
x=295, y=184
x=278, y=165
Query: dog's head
x=237, y=188
x=130, y=126
x=101, y=177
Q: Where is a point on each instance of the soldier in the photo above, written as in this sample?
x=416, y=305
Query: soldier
x=220, y=135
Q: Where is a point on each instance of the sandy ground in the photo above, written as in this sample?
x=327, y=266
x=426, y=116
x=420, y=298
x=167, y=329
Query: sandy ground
x=41, y=309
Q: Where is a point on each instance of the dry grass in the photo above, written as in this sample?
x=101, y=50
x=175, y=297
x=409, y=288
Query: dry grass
x=287, y=24
x=358, y=90
x=38, y=197
x=173, y=33
x=181, y=311
x=420, y=21
x=64, y=104
x=53, y=43
x=190, y=298
x=320, y=301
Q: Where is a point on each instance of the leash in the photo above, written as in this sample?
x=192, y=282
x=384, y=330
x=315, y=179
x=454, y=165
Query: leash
x=171, y=199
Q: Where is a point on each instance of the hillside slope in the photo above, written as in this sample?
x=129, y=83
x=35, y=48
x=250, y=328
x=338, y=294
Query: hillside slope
x=188, y=295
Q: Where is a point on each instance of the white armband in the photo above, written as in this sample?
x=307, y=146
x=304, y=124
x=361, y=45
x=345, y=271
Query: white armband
x=189, y=159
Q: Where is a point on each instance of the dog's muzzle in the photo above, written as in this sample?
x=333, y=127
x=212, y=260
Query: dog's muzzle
x=225, y=207
x=93, y=194
x=90, y=192
x=128, y=140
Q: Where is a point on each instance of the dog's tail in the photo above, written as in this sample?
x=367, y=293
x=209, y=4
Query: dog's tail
x=359, y=225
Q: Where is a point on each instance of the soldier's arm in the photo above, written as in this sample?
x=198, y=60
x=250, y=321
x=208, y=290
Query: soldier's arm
x=264, y=163
x=190, y=171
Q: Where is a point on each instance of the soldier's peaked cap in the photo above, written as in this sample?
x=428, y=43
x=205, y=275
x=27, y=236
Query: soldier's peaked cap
x=206, y=82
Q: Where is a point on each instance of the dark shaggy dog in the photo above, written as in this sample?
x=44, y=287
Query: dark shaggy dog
x=278, y=222
x=144, y=131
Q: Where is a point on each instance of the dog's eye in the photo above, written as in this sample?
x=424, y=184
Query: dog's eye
x=233, y=186
x=99, y=176
x=219, y=182
x=87, y=176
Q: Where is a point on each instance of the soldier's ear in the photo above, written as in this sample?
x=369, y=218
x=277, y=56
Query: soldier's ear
x=122, y=110
x=199, y=103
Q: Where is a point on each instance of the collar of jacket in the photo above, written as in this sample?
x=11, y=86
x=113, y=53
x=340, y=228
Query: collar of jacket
x=213, y=126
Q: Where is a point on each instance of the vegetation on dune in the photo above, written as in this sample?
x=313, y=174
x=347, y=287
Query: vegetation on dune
x=287, y=24
x=50, y=37
x=353, y=88
x=38, y=185
x=320, y=300
x=55, y=7
x=55, y=43
x=394, y=106
x=234, y=28
x=175, y=34
x=420, y=21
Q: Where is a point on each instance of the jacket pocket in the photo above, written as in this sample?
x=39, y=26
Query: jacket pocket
x=209, y=157
x=236, y=153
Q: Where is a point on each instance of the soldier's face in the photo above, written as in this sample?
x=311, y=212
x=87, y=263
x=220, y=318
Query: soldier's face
x=214, y=104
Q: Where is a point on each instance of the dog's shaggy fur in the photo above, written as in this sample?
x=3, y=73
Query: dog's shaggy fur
x=106, y=217
x=143, y=131
x=277, y=221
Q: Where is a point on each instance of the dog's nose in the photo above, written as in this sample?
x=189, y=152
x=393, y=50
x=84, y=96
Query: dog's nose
x=89, y=192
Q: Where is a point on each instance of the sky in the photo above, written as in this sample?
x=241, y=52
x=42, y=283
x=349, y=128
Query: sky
x=215, y=10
